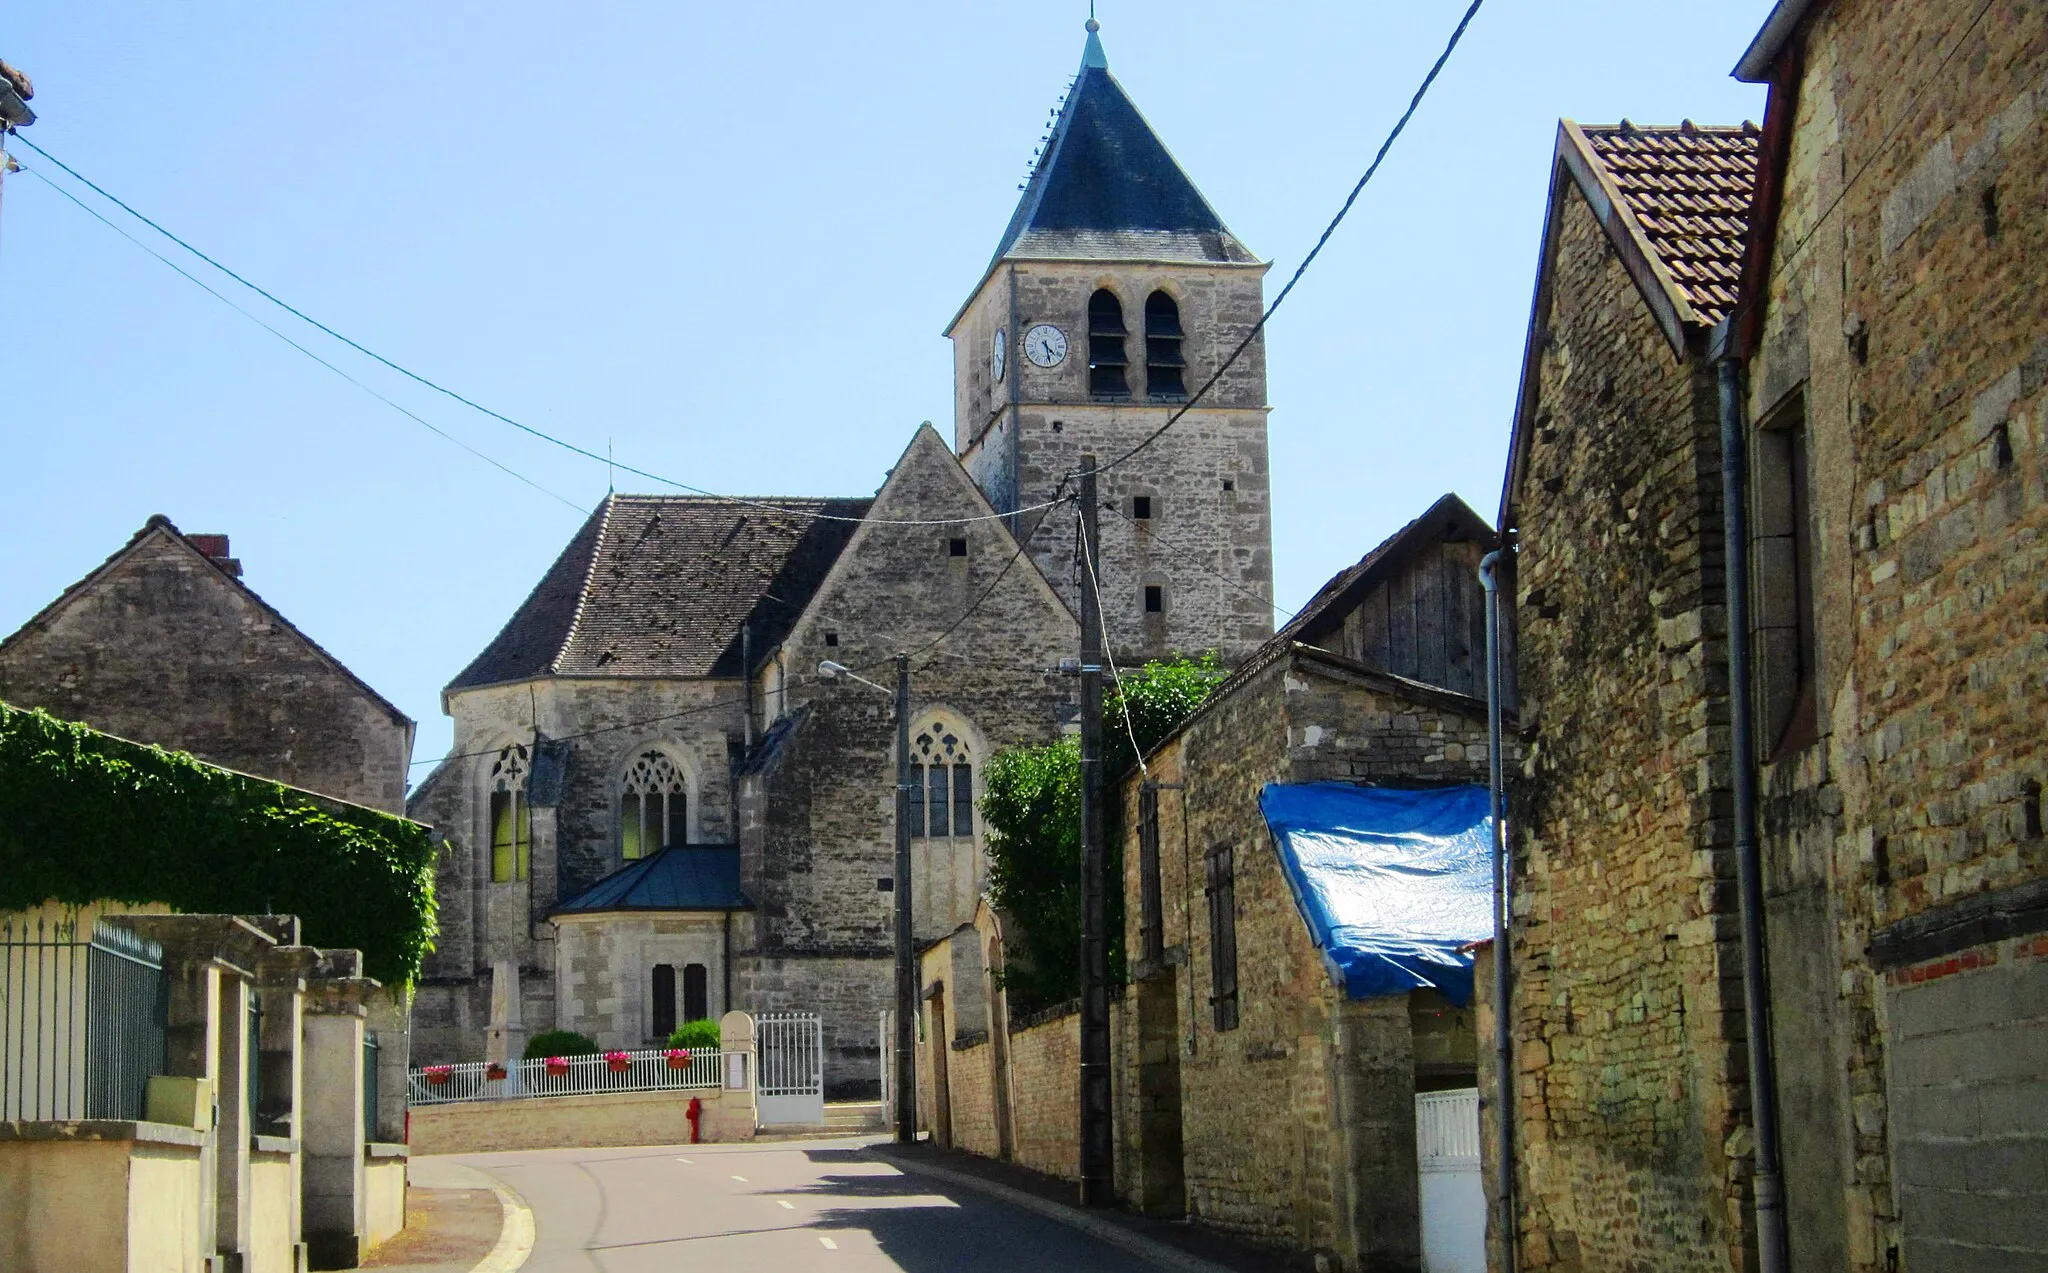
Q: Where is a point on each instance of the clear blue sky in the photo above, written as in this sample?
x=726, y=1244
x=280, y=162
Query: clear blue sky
x=724, y=241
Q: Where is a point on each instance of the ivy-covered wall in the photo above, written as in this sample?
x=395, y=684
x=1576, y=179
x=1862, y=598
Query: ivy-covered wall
x=85, y=816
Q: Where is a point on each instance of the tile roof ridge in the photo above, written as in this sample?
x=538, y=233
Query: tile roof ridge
x=604, y=527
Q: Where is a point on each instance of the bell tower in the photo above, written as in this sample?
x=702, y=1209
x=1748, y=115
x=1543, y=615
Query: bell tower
x=1115, y=294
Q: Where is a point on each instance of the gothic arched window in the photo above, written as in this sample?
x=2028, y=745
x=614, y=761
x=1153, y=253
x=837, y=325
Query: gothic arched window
x=653, y=798
x=511, y=822
x=941, y=782
x=1165, y=370
x=1106, y=332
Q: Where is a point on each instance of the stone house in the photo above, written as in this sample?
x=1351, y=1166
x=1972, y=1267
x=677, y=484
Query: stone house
x=164, y=643
x=1262, y=1098
x=1627, y=1014
x=658, y=689
x=1871, y=267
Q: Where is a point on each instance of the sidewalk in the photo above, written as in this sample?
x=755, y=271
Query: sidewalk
x=454, y=1222
x=1195, y=1246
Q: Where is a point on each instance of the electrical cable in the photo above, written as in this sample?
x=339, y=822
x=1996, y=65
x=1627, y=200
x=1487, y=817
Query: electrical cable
x=202, y=285
x=372, y=354
x=1306, y=261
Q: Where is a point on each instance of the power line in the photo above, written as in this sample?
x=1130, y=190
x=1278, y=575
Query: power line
x=1306, y=261
x=474, y=405
x=203, y=286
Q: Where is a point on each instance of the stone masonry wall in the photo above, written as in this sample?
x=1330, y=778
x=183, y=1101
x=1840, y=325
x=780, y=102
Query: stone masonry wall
x=1627, y=1004
x=1208, y=478
x=1904, y=309
x=1045, y=1093
x=164, y=648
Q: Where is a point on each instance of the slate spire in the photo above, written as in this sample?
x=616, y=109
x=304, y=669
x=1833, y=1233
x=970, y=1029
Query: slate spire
x=1106, y=186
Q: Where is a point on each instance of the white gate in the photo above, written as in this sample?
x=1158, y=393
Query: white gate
x=1453, y=1196
x=792, y=1068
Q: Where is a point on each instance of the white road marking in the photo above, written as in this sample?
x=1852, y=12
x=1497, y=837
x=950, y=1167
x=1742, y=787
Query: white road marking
x=741, y=1179
x=786, y=1206
x=686, y=1160
x=828, y=1244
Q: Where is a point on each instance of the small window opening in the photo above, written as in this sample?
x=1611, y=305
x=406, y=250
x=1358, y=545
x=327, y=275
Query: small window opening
x=831, y=638
x=1155, y=599
x=1165, y=370
x=1106, y=332
x=663, y=1018
x=696, y=992
x=1229, y=485
x=1058, y=426
x=1987, y=204
x=1222, y=895
x=885, y=885
x=956, y=548
x=1141, y=508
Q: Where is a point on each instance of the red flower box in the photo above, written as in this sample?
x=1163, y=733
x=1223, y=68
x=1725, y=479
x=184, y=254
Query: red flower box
x=557, y=1066
x=617, y=1062
x=679, y=1058
x=439, y=1074
x=494, y=1072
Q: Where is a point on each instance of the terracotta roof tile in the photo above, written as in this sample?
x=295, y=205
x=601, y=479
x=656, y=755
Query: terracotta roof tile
x=1689, y=188
x=660, y=586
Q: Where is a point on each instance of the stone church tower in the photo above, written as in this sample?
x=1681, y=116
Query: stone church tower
x=1115, y=294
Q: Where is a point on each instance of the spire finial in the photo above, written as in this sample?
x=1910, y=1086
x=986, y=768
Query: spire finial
x=1093, y=54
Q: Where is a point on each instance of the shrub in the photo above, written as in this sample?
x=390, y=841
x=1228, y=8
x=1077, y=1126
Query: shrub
x=560, y=1043
x=695, y=1035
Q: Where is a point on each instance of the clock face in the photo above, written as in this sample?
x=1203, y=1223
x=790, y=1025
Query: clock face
x=1045, y=345
x=998, y=351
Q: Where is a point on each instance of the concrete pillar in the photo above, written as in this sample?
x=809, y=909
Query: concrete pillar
x=390, y=1017
x=280, y=1112
x=332, y=1140
x=1375, y=1185
x=210, y=963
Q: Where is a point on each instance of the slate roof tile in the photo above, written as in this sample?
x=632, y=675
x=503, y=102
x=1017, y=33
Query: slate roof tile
x=695, y=877
x=1690, y=188
x=660, y=585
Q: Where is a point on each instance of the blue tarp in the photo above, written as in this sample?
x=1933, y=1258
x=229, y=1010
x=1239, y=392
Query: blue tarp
x=1391, y=882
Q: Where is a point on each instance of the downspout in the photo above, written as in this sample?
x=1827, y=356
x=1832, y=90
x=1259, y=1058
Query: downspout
x=1756, y=990
x=1503, y=984
x=725, y=966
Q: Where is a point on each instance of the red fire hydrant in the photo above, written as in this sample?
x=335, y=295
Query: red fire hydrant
x=696, y=1112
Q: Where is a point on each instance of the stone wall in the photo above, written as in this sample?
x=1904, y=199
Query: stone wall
x=163, y=647
x=1904, y=322
x=1627, y=1007
x=972, y=1081
x=588, y=1122
x=1045, y=1094
x=1208, y=479
x=606, y=972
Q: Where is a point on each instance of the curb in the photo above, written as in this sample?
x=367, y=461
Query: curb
x=1116, y=1235
x=515, y=1235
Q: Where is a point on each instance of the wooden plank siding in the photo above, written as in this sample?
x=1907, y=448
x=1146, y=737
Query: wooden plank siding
x=1426, y=620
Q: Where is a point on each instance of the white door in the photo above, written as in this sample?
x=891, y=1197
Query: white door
x=792, y=1068
x=1453, y=1197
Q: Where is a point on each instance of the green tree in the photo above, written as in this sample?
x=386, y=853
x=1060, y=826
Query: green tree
x=1032, y=809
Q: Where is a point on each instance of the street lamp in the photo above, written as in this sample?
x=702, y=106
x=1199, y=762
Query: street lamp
x=906, y=973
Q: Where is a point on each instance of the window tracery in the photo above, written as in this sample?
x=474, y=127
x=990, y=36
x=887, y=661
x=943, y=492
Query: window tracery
x=653, y=802
x=941, y=782
x=511, y=822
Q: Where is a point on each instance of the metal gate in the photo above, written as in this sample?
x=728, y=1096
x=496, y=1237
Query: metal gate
x=1453, y=1198
x=792, y=1068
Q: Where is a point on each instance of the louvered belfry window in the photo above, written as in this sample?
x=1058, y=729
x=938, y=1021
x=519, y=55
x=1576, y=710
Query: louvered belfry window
x=941, y=783
x=511, y=822
x=652, y=801
x=1106, y=359
x=1165, y=370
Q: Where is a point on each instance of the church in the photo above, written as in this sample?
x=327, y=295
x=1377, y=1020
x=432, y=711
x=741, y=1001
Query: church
x=656, y=809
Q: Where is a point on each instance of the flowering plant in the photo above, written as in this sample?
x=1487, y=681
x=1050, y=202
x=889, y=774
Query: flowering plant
x=616, y=1062
x=558, y=1066
x=679, y=1058
x=438, y=1074
x=494, y=1072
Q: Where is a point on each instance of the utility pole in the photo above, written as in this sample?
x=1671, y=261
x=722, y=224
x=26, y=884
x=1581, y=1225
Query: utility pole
x=1098, y=1165
x=906, y=971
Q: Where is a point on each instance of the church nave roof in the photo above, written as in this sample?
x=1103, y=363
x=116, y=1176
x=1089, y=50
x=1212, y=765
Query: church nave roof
x=660, y=585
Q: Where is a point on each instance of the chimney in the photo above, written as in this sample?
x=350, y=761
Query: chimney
x=216, y=549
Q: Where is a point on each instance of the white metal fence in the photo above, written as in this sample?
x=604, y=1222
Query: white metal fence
x=792, y=1067
x=654, y=1070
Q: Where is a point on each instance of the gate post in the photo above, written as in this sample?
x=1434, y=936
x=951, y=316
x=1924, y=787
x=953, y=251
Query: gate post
x=741, y=1063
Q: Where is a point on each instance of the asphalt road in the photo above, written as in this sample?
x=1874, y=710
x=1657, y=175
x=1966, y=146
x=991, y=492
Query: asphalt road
x=804, y=1205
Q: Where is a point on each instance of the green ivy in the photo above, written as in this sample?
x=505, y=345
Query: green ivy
x=88, y=817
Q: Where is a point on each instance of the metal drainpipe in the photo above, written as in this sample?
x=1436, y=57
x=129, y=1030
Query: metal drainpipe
x=1756, y=990
x=1503, y=1033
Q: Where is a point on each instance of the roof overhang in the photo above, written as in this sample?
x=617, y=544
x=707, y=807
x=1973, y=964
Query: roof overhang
x=1771, y=41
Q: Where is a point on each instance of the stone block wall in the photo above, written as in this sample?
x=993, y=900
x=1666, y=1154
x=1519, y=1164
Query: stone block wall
x=1045, y=1094
x=1905, y=325
x=972, y=1084
x=1627, y=1007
